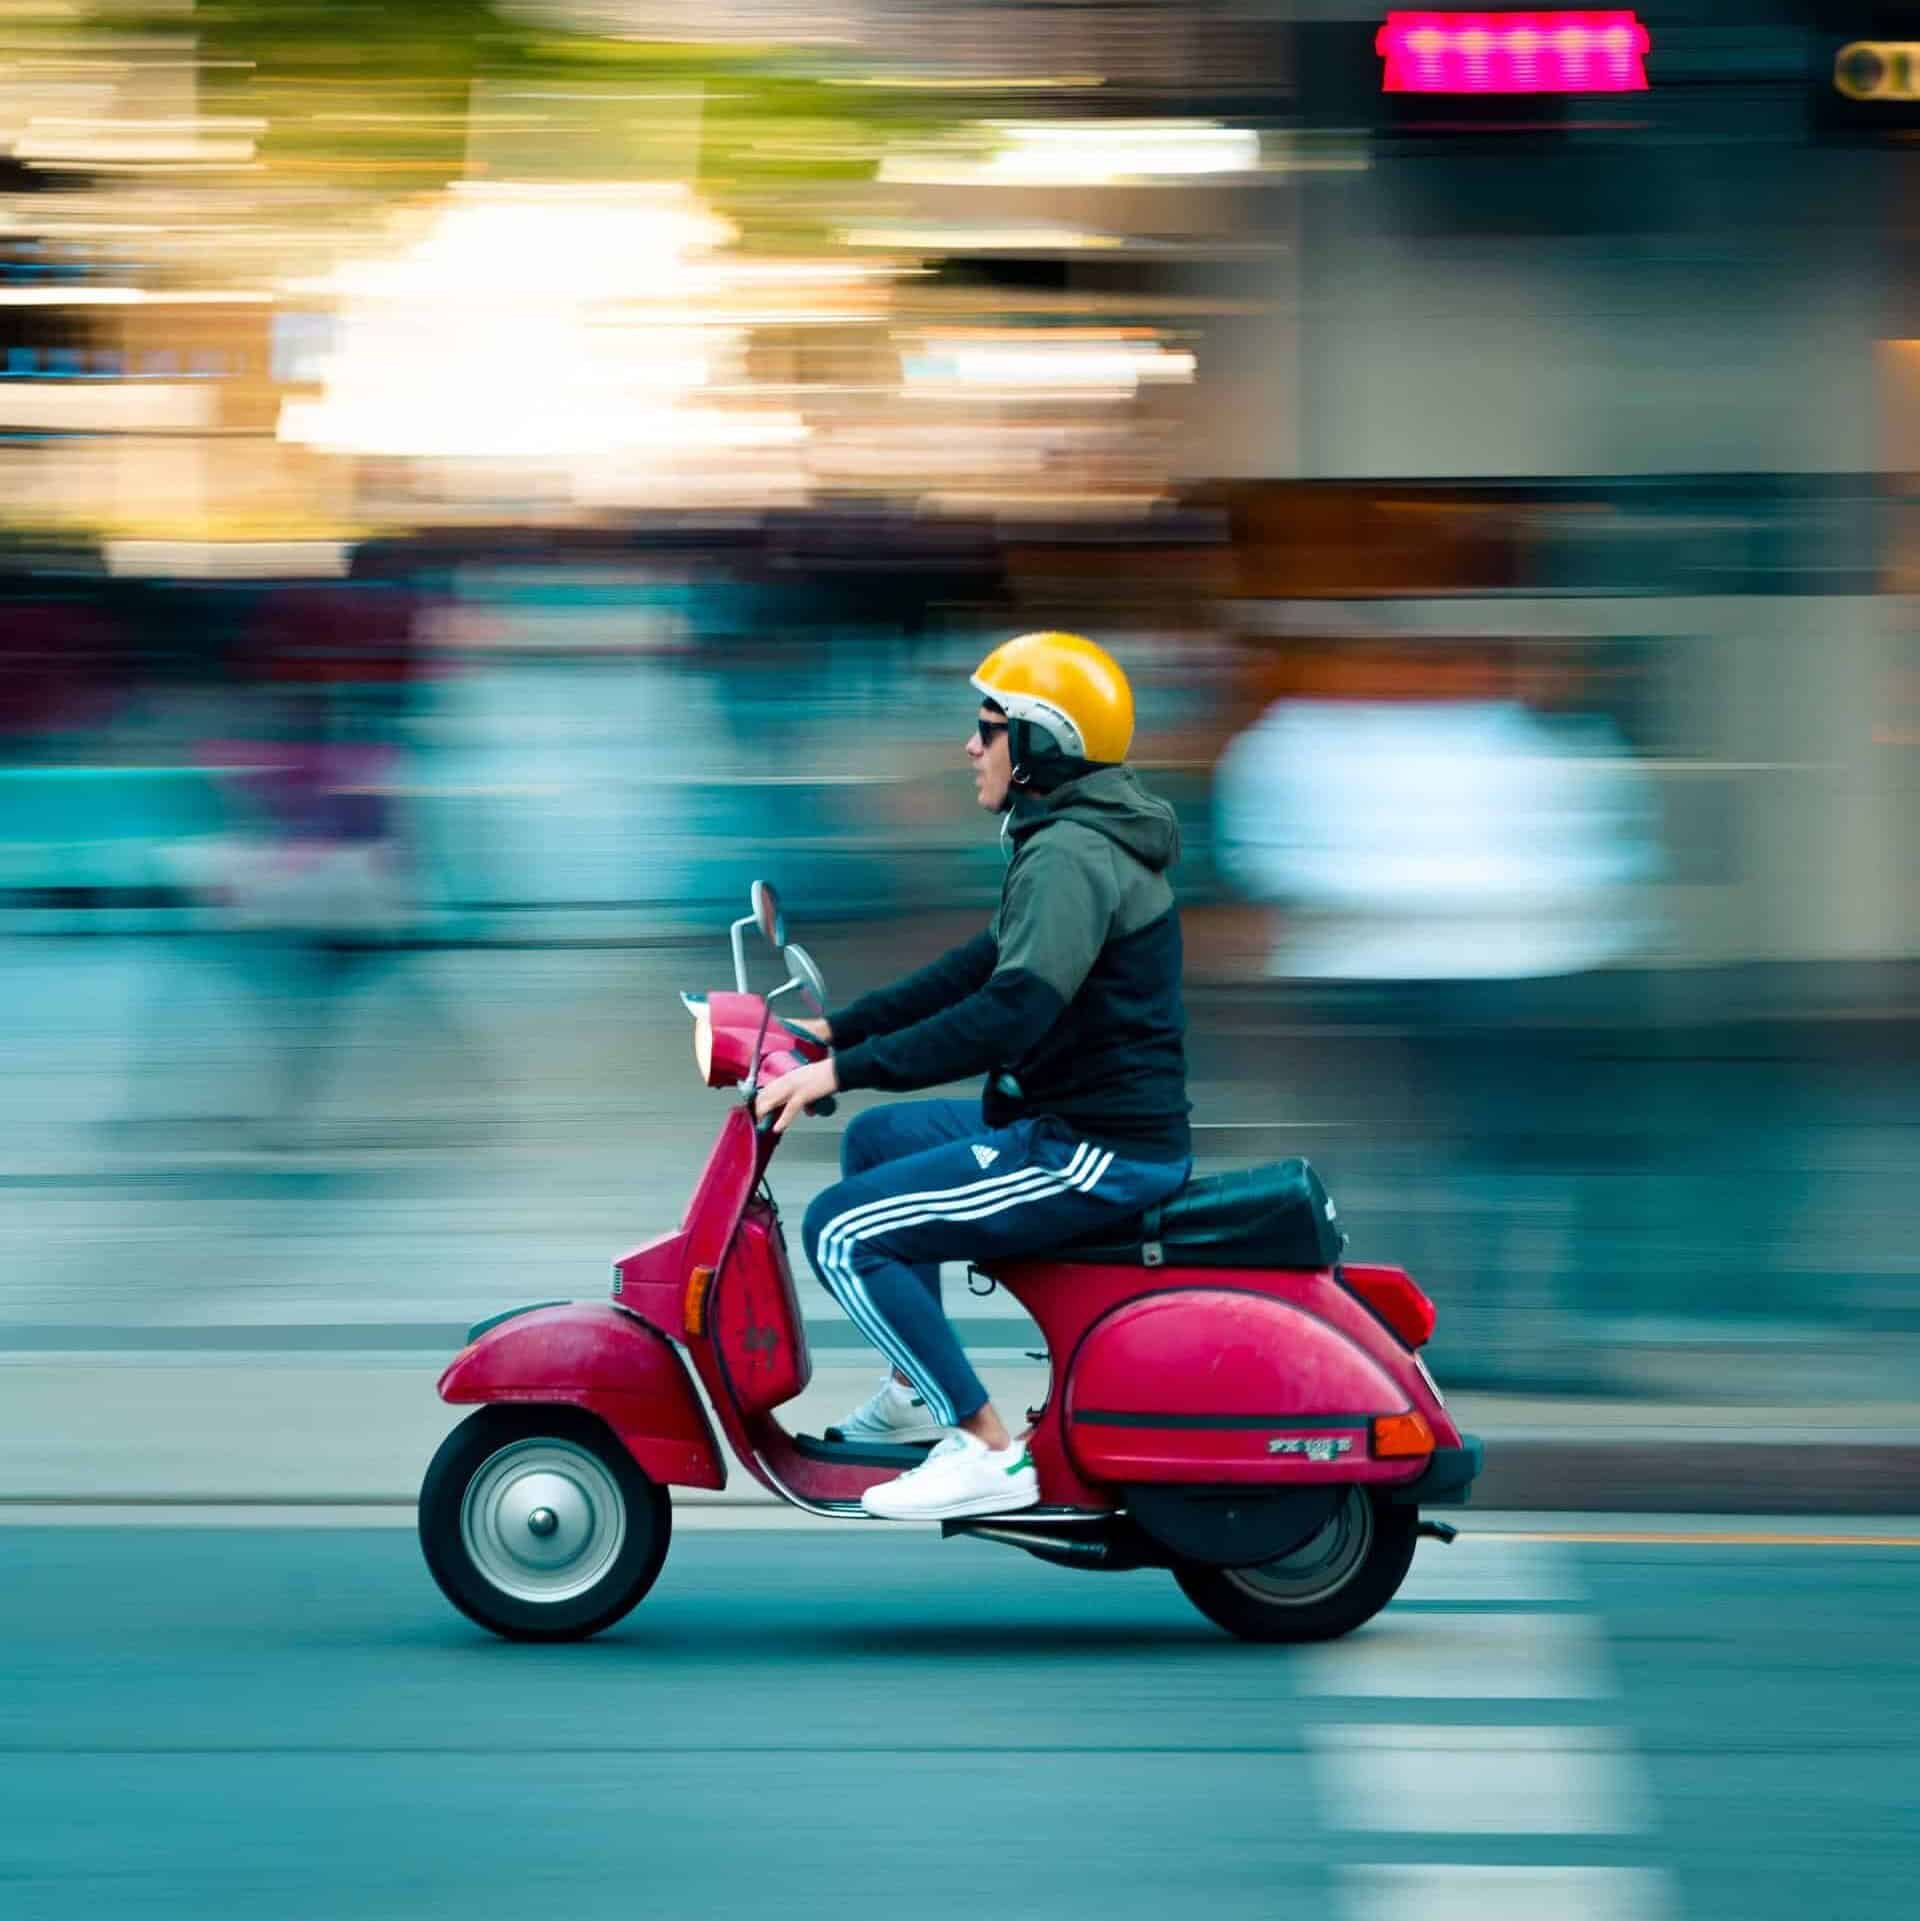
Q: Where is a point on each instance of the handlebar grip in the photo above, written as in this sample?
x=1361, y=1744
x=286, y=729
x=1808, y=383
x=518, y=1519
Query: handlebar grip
x=763, y=1124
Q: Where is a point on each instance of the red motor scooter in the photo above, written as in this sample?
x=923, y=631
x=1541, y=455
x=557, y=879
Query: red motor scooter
x=1230, y=1400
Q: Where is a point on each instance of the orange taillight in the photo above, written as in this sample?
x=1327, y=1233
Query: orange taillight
x=1396, y=1435
x=693, y=1310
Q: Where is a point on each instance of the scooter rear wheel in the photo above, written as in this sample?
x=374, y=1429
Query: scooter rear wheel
x=539, y=1525
x=1324, y=1588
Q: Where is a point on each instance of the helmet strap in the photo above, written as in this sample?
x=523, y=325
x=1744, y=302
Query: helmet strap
x=1040, y=763
x=1019, y=750
x=1031, y=749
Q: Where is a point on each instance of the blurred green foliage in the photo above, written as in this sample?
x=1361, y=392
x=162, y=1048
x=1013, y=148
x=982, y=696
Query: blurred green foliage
x=379, y=96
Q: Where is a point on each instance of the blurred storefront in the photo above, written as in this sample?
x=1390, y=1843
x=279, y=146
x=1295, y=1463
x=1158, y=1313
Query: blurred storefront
x=623, y=443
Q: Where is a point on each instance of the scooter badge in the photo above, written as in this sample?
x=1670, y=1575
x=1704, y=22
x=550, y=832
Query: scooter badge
x=1316, y=1447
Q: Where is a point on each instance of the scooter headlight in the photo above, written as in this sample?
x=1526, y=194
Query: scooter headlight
x=703, y=1045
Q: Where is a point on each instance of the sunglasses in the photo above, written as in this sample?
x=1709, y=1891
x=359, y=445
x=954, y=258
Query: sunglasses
x=990, y=730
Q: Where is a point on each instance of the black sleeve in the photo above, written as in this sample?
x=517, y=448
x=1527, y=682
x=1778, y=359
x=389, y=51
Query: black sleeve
x=990, y=1027
x=1053, y=922
x=939, y=984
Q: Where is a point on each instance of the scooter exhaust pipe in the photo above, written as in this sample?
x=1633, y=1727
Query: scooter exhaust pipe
x=1100, y=1547
x=1081, y=1550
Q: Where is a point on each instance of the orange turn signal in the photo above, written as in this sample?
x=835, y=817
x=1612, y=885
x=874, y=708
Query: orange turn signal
x=1400, y=1434
x=694, y=1309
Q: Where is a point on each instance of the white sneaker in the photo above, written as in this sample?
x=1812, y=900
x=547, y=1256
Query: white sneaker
x=961, y=1476
x=895, y=1417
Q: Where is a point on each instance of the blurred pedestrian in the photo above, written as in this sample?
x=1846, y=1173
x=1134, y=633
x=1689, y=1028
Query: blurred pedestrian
x=315, y=890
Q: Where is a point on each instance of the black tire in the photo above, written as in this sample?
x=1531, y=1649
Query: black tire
x=608, y=1529
x=1345, y=1575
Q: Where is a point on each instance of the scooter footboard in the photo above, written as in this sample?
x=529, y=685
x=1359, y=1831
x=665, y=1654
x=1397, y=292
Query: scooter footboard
x=591, y=1355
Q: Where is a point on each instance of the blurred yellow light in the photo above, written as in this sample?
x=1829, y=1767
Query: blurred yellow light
x=106, y=406
x=588, y=328
x=1878, y=70
x=70, y=296
x=229, y=559
x=1030, y=504
x=1115, y=367
x=125, y=297
x=934, y=237
x=974, y=83
x=111, y=142
x=1084, y=153
x=541, y=245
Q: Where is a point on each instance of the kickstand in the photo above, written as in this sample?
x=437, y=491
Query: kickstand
x=1438, y=1531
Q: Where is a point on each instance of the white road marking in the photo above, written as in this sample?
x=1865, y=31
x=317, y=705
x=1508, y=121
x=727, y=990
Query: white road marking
x=1489, y=1657
x=1473, y=1780
x=1407, y=1779
x=1482, y=1567
x=1448, y=1893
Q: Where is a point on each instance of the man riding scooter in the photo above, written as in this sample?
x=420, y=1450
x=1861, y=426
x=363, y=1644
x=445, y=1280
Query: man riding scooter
x=1070, y=1004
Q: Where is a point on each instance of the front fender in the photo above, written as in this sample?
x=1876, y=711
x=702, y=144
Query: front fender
x=590, y=1354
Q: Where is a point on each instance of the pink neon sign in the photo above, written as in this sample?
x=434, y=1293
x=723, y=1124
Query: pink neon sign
x=1559, y=52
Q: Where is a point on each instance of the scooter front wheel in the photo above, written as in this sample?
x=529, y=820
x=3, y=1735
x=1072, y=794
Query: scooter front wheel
x=1325, y=1587
x=538, y=1524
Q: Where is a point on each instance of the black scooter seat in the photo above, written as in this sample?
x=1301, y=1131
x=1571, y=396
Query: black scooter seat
x=1277, y=1215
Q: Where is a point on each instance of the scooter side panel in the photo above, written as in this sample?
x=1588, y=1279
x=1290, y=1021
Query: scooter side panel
x=1213, y=1384
x=589, y=1354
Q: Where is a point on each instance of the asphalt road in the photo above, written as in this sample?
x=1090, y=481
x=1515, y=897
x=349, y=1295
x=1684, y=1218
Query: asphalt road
x=833, y=1723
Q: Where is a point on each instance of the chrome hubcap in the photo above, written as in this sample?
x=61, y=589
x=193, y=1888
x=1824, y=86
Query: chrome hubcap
x=543, y=1520
x=1316, y=1568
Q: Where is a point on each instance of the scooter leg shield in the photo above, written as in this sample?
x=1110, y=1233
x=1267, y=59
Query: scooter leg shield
x=591, y=1355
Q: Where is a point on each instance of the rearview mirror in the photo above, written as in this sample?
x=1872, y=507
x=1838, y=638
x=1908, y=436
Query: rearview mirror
x=766, y=914
x=801, y=965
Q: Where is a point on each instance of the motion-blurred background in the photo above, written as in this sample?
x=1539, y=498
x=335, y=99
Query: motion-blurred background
x=479, y=483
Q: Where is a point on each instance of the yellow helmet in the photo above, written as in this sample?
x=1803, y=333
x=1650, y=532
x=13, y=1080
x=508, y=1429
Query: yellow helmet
x=1067, y=685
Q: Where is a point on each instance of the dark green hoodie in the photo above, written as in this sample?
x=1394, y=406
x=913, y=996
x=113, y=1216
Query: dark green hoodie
x=1070, y=1001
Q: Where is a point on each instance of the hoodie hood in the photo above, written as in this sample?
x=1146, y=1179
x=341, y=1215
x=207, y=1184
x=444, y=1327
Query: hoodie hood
x=1112, y=802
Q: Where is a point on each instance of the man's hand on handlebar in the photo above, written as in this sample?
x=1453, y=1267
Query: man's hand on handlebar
x=793, y=1093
